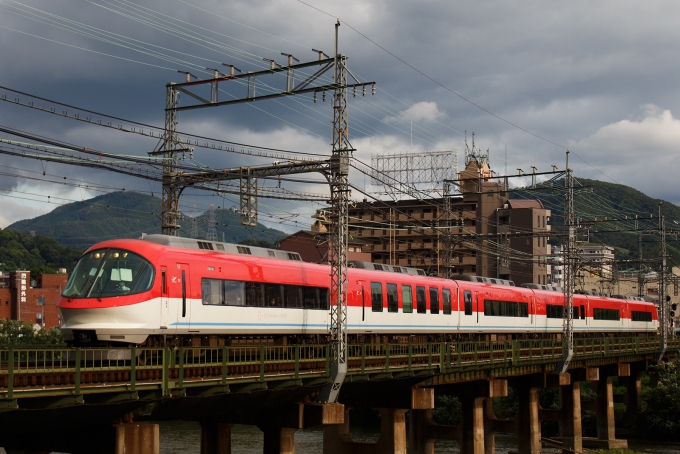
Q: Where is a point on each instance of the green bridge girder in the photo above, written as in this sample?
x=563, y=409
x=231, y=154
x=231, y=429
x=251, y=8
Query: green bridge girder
x=64, y=376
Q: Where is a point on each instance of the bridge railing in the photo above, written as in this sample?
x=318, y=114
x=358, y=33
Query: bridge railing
x=27, y=369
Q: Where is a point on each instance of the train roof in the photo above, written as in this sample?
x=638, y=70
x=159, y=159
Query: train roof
x=385, y=267
x=218, y=246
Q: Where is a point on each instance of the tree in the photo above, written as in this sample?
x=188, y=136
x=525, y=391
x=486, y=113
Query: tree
x=661, y=404
x=20, y=332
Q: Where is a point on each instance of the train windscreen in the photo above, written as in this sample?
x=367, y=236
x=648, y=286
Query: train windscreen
x=109, y=272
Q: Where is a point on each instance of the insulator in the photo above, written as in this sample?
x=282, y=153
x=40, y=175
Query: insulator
x=354, y=92
x=373, y=89
x=323, y=96
x=315, y=97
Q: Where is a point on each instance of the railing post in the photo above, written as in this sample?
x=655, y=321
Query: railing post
x=261, y=362
x=328, y=359
x=442, y=356
x=166, y=371
x=225, y=359
x=515, y=351
x=180, y=377
x=505, y=352
x=10, y=373
x=363, y=358
x=133, y=368
x=491, y=352
x=606, y=346
x=297, y=361
x=410, y=356
x=387, y=356
x=476, y=351
x=429, y=355
x=77, y=390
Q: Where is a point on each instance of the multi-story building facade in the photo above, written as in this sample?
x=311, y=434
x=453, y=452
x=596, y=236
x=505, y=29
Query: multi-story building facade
x=413, y=232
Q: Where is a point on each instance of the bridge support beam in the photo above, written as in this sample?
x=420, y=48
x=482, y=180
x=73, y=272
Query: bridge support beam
x=476, y=428
x=604, y=408
x=215, y=438
x=338, y=440
x=137, y=439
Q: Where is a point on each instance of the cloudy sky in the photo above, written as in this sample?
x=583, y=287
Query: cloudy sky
x=532, y=78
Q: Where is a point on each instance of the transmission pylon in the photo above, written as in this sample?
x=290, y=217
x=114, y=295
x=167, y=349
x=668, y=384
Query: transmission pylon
x=569, y=273
x=212, y=225
x=339, y=183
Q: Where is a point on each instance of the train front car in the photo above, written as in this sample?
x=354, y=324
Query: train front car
x=112, y=295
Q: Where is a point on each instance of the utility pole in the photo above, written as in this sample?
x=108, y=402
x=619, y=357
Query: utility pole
x=663, y=304
x=569, y=265
x=171, y=192
x=339, y=183
x=641, y=281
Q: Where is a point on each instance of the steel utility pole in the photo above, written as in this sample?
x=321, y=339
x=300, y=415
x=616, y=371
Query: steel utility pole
x=569, y=265
x=664, y=314
x=339, y=183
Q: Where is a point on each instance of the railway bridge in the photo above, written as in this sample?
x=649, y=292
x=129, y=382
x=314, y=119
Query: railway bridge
x=83, y=400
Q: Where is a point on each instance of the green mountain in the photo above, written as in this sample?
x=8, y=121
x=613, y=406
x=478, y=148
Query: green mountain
x=23, y=252
x=600, y=200
x=128, y=215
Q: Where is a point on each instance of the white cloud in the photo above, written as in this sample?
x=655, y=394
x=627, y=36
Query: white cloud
x=424, y=111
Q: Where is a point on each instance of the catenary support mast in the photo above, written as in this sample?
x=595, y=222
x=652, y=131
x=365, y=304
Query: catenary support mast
x=569, y=273
x=339, y=183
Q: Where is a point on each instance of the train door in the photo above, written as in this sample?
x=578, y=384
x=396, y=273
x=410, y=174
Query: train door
x=165, y=300
x=476, y=300
x=466, y=313
x=183, y=284
x=361, y=294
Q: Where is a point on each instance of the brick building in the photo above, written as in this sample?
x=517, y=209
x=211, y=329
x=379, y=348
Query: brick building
x=313, y=246
x=23, y=298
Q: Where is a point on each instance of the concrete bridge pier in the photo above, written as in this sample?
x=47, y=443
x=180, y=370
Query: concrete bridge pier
x=604, y=408
x=527, y=424
x=134, y=438
x=215, y=438
x=338, y=440
x=632, y=399
x=477, y=419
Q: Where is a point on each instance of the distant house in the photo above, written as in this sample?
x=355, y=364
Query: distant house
x=33, y=300
x=313, y=246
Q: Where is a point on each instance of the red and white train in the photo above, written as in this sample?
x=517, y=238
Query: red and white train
x=177, y=290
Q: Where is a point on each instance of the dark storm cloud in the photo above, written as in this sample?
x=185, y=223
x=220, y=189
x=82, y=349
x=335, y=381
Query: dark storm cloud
x=599, y=78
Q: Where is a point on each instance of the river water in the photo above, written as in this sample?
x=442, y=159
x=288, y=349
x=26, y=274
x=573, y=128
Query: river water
x=179, y=437
x=182, y=437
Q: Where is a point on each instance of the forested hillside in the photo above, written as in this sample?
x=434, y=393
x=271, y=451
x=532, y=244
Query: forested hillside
x=598, y=199
x=128, y=215
x=38, y=253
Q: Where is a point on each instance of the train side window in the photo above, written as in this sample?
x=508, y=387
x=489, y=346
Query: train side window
x=376, y=296
x=553, y=310
x=234, y=293
x=575, y=316
x=606, y=314
x=324, y=298
x=311, y=298
x=467, y=295
x=421, y=300
x=583, y=312
x=407, y=299
x=254, y=294
x=446, y=296
x=434, y=300
x=164, y=282
x=272, y=295
x=638, y=316
x=211, y=292
x=392, y=298
x=292, y=295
